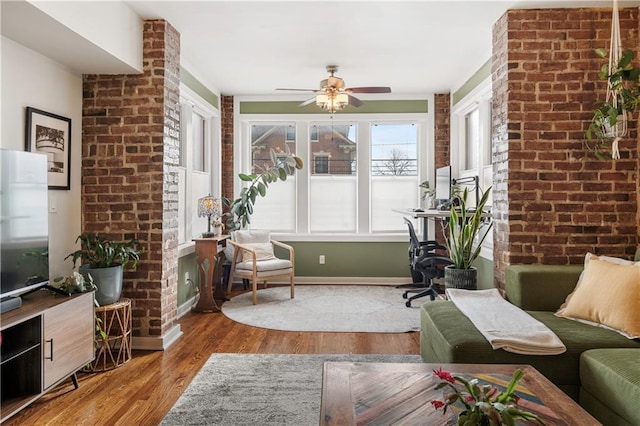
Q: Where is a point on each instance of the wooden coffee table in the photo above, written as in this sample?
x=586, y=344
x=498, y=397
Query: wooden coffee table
x=361, y=393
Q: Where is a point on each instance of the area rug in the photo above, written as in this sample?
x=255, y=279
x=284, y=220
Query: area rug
x=342, y=308
x=251, y=389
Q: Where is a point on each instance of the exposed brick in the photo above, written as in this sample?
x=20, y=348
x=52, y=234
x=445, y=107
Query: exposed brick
x=128, y=121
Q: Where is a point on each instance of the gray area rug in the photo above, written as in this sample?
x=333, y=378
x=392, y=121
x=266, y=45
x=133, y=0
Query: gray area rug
x=341, y=308
x=251, y=389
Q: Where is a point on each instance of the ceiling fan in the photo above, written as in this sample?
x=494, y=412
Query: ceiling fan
x=333, y=95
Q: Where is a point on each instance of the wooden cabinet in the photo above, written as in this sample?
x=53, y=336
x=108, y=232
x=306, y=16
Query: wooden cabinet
x=67, y=344
x=44, y=342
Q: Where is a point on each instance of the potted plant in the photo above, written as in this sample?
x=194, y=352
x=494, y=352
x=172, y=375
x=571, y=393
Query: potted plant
x=428, y=195
x=609, y=121
x=241, y=208
x=103, y=262
x=464, y=229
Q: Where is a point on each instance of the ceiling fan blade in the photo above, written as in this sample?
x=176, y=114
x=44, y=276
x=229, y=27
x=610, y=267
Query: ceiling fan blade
x=368, y=89
x=300, y=90
x=353, y=101
x=308, y=101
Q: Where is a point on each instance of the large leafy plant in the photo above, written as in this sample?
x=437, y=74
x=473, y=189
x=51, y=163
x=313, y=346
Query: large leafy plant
x=99, y=252
x=624, y=98
x=464, y=228
x=241, y=209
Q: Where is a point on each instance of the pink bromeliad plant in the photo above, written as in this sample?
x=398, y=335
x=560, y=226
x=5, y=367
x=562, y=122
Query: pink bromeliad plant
x=484, y=405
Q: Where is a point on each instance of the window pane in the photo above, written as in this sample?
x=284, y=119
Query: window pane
x=333, y=184
x=472, y=139
x=394, y=174
x=333, y=203
x=276, y=211
x=198, y=142
x=394, y=150
x=335, y=149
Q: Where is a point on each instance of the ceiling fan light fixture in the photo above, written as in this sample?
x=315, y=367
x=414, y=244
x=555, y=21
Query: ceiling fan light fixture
x=332, y=102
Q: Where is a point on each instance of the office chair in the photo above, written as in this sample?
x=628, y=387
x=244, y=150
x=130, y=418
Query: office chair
x=426, y=263
x=416, y=247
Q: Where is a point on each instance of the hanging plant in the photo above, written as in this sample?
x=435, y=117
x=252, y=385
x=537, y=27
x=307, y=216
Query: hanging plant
x=609, y=122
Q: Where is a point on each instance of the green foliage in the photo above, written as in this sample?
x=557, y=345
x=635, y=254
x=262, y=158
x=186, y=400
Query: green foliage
x=464, y=227
x=99, y=252
x=625, y=86
x=483, y=404
x=241, y=209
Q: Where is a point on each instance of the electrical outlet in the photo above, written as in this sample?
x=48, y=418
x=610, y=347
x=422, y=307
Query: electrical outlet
x=186, y=278
x=321, y=259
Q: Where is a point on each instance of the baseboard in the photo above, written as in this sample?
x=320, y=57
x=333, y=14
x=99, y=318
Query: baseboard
x=341, y=280
x=185, y=308
x=159, y=343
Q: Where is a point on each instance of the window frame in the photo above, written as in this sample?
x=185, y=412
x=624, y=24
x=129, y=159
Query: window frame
x=243, y=121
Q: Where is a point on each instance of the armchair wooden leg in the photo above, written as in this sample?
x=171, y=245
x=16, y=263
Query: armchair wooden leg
x=293, y=285
x=254, y=287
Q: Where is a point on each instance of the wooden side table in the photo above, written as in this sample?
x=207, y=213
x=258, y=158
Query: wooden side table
x=210, y=257
x=114, y=350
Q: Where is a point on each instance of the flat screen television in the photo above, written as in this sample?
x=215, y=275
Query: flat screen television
x=443, y=184
x=24, y=222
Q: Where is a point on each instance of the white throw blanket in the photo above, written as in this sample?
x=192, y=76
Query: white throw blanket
x=505, y=325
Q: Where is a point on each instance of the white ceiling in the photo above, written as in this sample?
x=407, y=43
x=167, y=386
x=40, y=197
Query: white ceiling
x=416, y=47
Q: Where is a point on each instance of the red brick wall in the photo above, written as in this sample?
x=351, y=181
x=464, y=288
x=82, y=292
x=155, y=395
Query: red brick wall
x=130, y=148
x=226, y=123
x=442, y=129
x=552, y=199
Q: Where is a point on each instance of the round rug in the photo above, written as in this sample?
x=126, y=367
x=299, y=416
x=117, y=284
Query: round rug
x=341, y=308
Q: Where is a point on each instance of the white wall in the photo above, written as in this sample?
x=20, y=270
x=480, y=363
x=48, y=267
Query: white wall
x=31, y=79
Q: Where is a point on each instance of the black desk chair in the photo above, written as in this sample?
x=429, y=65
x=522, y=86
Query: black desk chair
x=426, y=262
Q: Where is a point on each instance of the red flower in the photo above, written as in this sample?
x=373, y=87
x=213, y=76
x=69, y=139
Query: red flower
x=469, y=398
x=437, y=404
x=444, y=375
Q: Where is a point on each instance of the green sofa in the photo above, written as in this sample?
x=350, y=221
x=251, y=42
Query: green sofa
x=447, y=336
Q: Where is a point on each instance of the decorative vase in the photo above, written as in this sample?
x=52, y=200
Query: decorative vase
x=618, y=130
x=466, y=279
x=108, y=282
x=217, y=231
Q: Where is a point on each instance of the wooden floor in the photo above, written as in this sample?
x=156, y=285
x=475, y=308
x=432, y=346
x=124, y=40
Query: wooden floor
x=142, y=391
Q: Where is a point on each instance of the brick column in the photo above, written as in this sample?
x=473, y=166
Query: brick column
x=226, y=123
x=129, y=187
x=553, y=199
x=442, y=129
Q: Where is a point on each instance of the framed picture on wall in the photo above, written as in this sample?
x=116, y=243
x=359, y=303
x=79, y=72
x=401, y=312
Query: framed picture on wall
x=50, y=134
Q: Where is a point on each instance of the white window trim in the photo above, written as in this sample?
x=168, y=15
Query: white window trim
x=191, y=102
x=302, y=122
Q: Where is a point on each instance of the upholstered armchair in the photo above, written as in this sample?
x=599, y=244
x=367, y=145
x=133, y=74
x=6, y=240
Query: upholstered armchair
x=254, y=259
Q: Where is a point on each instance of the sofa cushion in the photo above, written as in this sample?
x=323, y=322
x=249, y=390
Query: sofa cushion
x=608, y=293
x=540, y=287
x=612, y=377
x=449, y=337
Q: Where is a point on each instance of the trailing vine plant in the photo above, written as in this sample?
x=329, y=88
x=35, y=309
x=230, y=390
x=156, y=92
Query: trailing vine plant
x=241, y=209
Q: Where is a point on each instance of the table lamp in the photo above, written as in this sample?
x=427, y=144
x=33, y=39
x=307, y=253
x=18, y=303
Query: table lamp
x=209, y=206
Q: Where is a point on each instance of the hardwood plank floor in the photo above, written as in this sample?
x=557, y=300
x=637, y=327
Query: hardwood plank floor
x=142, y=391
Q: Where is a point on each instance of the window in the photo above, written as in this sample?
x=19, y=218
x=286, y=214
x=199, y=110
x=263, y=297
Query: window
x=321, y=164
x=472, y=139
x=356, y=171
x=291, y=134
x=199, y=125
x=394, y=171
x=276, y=211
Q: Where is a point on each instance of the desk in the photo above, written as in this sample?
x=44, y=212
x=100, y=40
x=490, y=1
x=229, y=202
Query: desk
x=210, y=256
x=427, y=214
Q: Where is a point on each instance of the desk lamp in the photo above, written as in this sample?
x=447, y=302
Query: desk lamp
x=209, y=206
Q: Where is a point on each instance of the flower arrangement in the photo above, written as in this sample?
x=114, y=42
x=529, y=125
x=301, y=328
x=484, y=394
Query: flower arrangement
x=484, y=405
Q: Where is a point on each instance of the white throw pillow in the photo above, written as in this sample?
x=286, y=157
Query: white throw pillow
x=264, y=251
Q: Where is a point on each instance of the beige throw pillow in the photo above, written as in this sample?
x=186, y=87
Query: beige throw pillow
x=264, y=251
x=608, y=294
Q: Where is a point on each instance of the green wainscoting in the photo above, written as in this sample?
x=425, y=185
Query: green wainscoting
x=485, y=273
x=186, y=264
x=351, y=259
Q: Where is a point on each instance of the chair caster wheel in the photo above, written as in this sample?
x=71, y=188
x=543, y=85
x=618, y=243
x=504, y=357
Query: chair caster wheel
x=408, y=304
x=404, y=295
